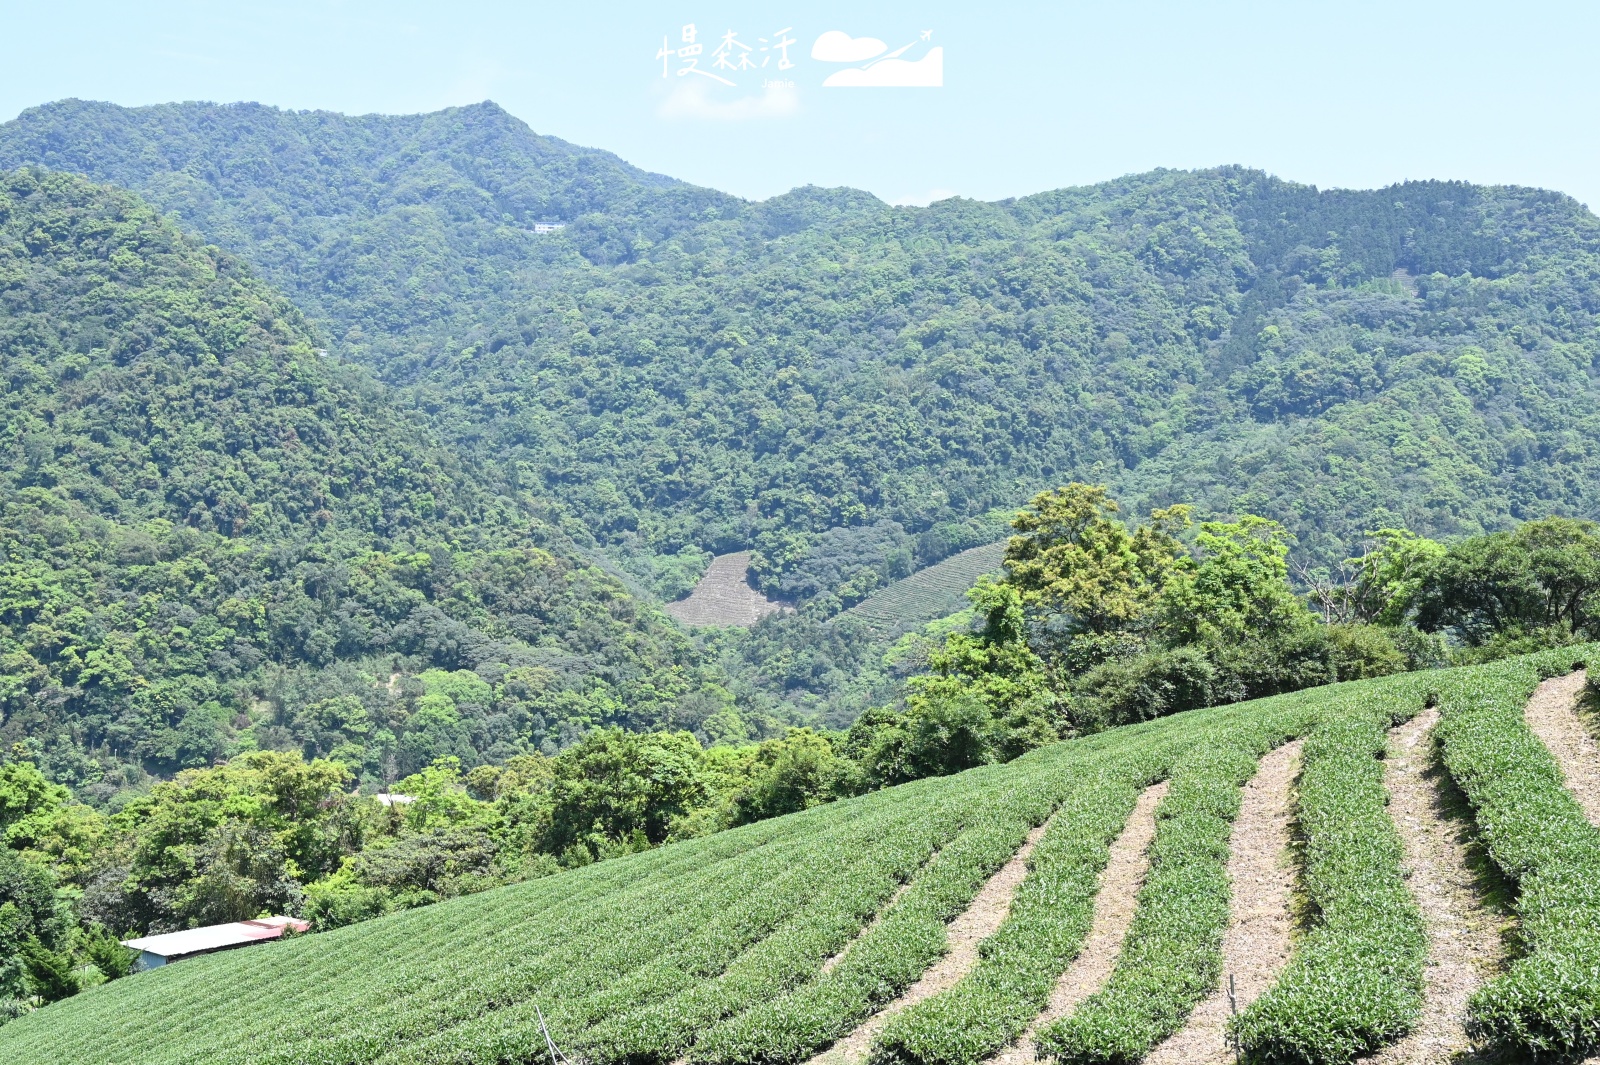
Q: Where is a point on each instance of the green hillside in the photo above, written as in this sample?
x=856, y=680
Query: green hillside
x=217, y=537
x=376, y=222
x=770, y=942
x=682, y=370
x=357, y=453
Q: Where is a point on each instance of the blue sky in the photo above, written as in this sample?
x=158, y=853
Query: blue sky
x=1034, y=97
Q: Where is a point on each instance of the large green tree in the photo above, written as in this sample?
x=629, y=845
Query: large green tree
x=620, y=787
x=225, y=844
x=1543, y=575
x=29, y=929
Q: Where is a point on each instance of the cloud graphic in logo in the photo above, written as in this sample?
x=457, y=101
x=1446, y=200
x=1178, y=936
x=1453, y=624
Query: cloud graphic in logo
x=925, y=73
x=837, y=46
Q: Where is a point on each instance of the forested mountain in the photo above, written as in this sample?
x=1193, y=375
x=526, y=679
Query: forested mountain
x=380, y=222
x=356, y=453
x=856, y=390
x=217, y=537
x=687, y=372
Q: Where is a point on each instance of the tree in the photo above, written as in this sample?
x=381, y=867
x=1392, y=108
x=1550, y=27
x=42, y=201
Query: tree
x=107, y=954
x=1543, y=576
x=241, y=871
x=440, y=798
x=1238, y=588
x=1149, y=685
x=941, y=732
x=615, y=786
x=1094, y=624
x=225, y=843
x=803, y=771
x=1072, y=558
x=419, y=867
x=27, y=917
x=49, y=972
x=25, y=796
x=1082, y=576
x=1564, y=557
x=986, y=699
x=1380, y=586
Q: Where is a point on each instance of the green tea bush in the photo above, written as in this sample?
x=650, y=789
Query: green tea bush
x=652, y=957
x=1044, y=931
x=1171, y=957
x=715, y=948
x=1354, y=982
x=746, y=949
x=1050, y=917
x=892, y=954
x=1548, y=1003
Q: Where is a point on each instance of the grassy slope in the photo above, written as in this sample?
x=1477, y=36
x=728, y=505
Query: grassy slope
x=753, y=912
x=928, y=594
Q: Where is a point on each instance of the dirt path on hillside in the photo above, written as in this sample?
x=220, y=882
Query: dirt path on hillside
x=1114, y=904
x=1257, y=943
x=1464, y=932
x=982, y=917
x=1553, y=717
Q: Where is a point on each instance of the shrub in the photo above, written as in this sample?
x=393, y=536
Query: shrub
x=1360, y=652
x=1043, y=932
x=1151, y=685
x=107, y=954
x=1548, y=1003
x=1354, y=982
x=1287, y=661
x=49, y=972
x=890, y=955
x=1171, y=957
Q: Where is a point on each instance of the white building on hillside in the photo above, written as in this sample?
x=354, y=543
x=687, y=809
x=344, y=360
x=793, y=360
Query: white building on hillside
x=175, y=946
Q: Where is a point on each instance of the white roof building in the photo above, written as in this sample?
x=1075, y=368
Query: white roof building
x=174, y=946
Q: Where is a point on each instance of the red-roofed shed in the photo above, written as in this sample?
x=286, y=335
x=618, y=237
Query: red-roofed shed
x=174, y=946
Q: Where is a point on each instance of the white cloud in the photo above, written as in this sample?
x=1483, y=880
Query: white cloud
x=925, y=198
x=925, y=73
x=693, y=100
x=837, y=46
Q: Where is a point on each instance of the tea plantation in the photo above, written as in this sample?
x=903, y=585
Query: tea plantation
x=928, y=594
x=768, y=943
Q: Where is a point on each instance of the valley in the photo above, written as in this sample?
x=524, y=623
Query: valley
x=1141, y=621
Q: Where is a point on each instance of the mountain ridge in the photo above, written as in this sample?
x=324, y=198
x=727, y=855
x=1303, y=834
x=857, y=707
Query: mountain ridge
x=849, y=388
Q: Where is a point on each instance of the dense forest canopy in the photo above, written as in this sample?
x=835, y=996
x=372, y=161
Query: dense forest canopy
x=855, y=390
x=218, y=537
x=379, y=221
x=685, y=372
